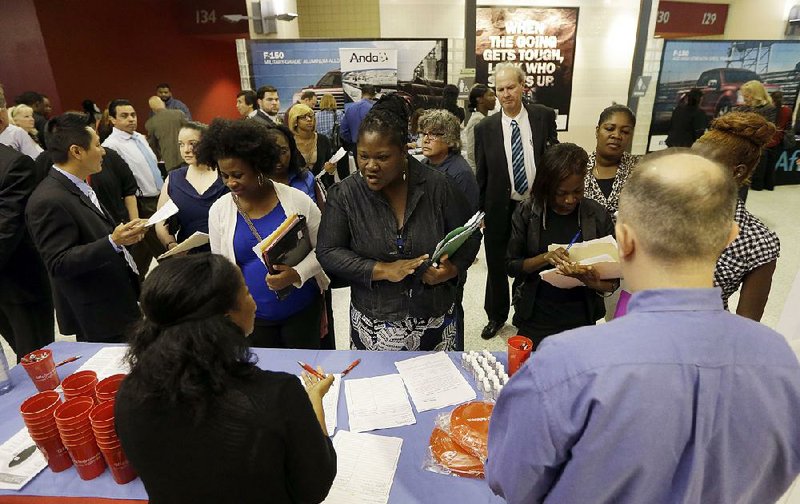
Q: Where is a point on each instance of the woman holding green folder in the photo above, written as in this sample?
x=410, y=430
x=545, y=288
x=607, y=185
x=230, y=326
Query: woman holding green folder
x=378, y=232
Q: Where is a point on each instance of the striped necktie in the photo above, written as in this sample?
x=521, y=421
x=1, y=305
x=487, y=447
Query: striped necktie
x=518, y=160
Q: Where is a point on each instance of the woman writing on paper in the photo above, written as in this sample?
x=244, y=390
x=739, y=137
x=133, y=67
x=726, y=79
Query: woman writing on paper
x=253, y=210
x=197, y=419
x=379, y=228
x=736, y=141
x=610, y=164
x=556, y=213
x=193, y=188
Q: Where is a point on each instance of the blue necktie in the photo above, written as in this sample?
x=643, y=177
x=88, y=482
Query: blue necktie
x=151, y=161
x=518, y=160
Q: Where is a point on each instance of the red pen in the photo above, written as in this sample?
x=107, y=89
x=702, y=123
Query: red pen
x=68, y=360
x=351, y=366
x=311, y=370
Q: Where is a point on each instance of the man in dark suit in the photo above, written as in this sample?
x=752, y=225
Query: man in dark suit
x=508, y=146
x=95, y=281
x=247, y=106
x=26, y=303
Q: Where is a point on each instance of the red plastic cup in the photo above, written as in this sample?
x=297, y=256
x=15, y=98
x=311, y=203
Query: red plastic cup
x=519, y=349
x=88, y=460
x=108, y=444
x=102, y=415
x=73, y=412
x=54, y=452
x=76, y=436
x=106, y=390
x=80, y=384
x=40, y=406
x=41, y=368
x=43, y=432
x=121, y=469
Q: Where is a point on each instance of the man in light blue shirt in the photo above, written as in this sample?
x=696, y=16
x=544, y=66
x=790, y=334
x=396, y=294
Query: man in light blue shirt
x=354, y=114
x=677, y=401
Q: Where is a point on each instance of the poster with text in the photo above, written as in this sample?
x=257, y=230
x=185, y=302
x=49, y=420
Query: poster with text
x=718, y=69
x=540, y=40
x=377, y=67
x=292, y=66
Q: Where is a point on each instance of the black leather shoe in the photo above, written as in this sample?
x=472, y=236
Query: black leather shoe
x=490, y=331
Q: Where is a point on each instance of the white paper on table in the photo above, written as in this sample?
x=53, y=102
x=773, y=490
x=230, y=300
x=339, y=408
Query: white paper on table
x=165, y=212
x=378, y=403
x=330, y=403
x=27, y=461
x=605, y=265
x=198, y=239
x=108, y=361
x=365, y=468
x=434, y=382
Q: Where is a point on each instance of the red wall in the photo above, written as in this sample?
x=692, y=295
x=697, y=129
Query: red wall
x=101, y=50
x=24, y=64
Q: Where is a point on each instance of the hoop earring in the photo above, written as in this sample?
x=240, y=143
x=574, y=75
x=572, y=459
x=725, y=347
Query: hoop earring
x=261, y=180
x=404, y=175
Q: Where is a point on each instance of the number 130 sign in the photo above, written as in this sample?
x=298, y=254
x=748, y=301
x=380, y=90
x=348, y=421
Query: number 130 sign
x=681, y=19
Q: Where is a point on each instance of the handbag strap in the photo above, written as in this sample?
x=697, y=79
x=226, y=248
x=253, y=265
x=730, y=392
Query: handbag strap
x=247, y=219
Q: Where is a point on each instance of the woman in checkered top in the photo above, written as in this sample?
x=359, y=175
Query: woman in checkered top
x=736, y=140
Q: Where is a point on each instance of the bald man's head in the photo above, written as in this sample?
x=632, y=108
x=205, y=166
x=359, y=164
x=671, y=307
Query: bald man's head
x=156, y=103
x=680, y=205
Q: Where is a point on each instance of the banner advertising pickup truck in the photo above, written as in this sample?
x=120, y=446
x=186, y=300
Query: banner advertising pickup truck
x=296, y=65
x=718, y=69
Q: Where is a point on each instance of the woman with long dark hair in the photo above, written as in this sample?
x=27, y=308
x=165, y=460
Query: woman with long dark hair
x=688, y=121
x=197, y=419
x=556, y=213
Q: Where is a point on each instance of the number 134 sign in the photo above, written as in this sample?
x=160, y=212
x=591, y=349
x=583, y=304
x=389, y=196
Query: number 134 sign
x=682, y=19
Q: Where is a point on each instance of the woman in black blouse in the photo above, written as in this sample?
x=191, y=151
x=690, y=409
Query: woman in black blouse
x=197, y=419
x=555, y=214
x=377, y=232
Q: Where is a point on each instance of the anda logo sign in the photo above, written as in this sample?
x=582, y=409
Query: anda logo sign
x=371, y=57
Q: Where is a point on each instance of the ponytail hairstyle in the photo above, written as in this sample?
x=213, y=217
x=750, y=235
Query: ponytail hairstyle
x=388, y=117
x=185, y=348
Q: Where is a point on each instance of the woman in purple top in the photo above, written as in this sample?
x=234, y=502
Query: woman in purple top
x=290, y=169
x=193, y=188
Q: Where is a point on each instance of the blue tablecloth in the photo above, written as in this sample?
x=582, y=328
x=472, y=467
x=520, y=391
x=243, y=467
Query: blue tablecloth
x=411, y=484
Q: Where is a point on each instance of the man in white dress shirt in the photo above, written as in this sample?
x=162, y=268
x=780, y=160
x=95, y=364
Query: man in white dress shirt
x=133, y=148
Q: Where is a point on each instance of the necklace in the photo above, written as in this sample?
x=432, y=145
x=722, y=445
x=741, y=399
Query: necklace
x=596, y=172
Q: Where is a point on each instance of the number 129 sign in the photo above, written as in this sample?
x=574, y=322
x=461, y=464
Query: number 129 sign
x=680, y=19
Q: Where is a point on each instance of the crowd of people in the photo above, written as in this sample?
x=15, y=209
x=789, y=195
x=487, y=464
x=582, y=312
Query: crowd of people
x=77, y=190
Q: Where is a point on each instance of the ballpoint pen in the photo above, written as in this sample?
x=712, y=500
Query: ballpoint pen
x=311, y=370
x=68, y=360
x=574, y=239
x=351, y=366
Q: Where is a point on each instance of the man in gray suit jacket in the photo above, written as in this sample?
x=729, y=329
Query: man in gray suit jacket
x=508, y=146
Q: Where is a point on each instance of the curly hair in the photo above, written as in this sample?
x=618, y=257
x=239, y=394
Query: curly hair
x=736, y=138
x=297, y=111
x=185, y=349
x=245, y=140
x=559, y=162
x=444, y=122
x=388, y=117
x=296, y=165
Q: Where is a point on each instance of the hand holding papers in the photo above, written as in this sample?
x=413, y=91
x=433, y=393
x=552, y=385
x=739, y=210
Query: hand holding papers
x=377, y=403
x=455, y=238
x=165, y=212
x=434, y=381
x=330, y=403
x=333, y=160
x=365, y=468
x=288, y=245
x=600, y=253
x=198, y=239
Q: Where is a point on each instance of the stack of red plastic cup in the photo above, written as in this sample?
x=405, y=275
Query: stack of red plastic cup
x=42, y=369
x=37, y=412
x=75, y=429
x=106, y=390
x=102, y=418
x=80, y=384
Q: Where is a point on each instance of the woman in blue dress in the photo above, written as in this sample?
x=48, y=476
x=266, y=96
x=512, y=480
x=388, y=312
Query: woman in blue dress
x=193, y=188
x=290, y=169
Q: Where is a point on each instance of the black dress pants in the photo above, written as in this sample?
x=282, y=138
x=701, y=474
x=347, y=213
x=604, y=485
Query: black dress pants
x=497, y=302
x=27, y=326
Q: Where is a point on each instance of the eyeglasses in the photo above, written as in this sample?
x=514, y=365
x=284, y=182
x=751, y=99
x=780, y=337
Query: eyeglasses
x=307, y=117
x=432, y=136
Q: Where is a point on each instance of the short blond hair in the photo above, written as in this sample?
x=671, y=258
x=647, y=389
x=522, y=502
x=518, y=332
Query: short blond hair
x=298, y=110
x=679, y=217
x=515, y=69
x=757, y=92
